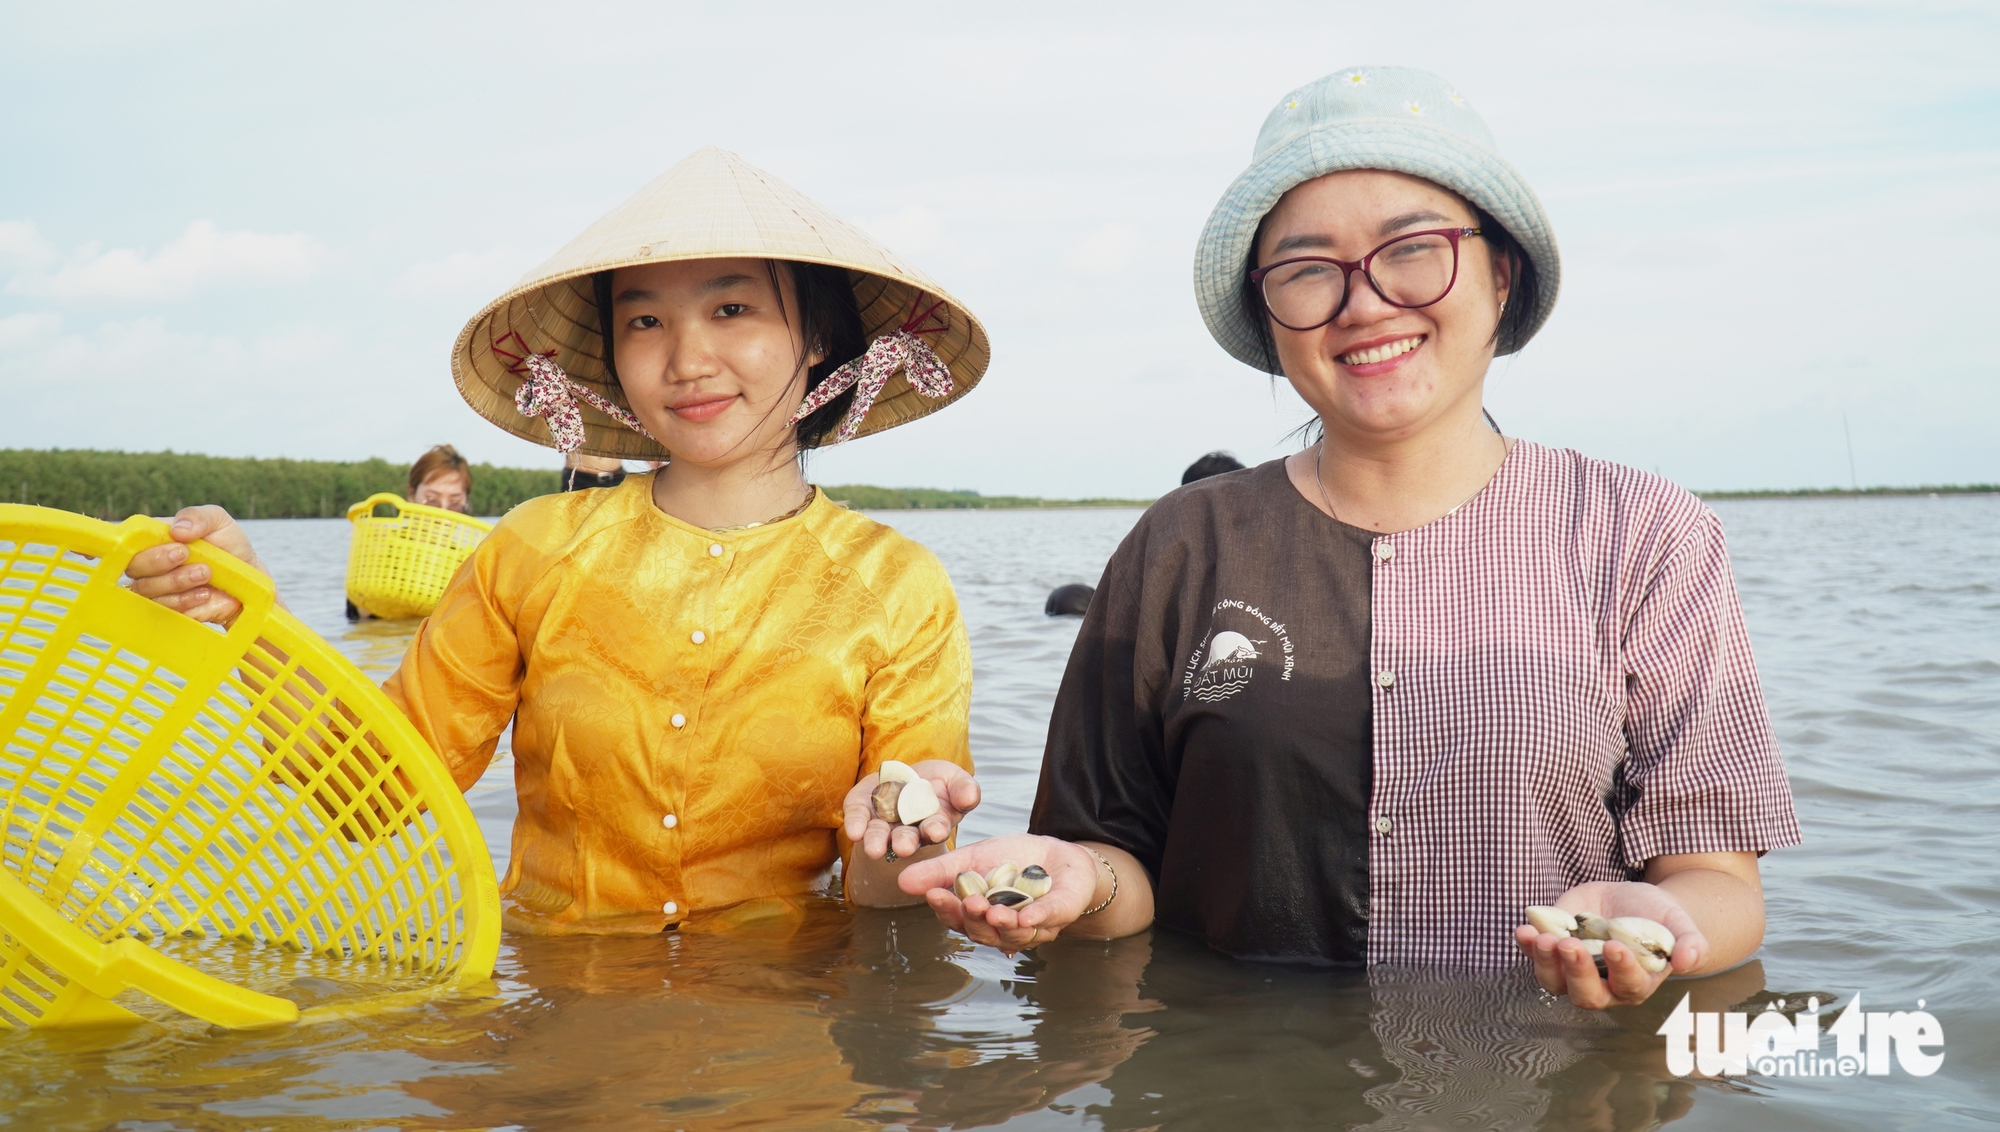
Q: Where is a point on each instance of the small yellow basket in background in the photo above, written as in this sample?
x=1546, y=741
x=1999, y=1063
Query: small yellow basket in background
x=238, y=824
x=397, y=565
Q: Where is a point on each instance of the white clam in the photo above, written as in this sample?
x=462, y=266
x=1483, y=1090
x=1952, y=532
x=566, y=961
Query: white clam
x=1651, y=943
x=1551, y=921
x=1035, y=881
x=917, y=801
x=1590, y=925
x=1003, y=875
x=969, y=883
x=893, y=771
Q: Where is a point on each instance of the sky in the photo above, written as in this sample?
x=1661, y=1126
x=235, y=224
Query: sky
x=256, y=229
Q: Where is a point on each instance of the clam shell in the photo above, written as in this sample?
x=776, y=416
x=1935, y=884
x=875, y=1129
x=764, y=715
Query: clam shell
x=1590, y=925
x=1551, y=920
x=1007, y=897
x=969, y=883
x=1651, y=943
x=1035, y=881
x=884, y=800
x=1003, y=875
x=1594, y=946
x=917, y=802
x=893, y=771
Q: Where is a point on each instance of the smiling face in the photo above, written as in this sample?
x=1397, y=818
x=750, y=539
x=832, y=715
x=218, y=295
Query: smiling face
x=709, y=359
x=1379, y=370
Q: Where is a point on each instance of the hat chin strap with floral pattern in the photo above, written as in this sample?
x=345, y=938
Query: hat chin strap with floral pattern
x=901, y=348
x=546, y=391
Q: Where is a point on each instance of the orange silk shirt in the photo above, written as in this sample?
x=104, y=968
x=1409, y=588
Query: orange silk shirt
x=690, y=707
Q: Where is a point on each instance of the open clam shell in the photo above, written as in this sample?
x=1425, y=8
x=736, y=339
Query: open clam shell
x=1651, y=943
x=884, y=800
x=893, y=771
x=916, y=802
x=1551, y=920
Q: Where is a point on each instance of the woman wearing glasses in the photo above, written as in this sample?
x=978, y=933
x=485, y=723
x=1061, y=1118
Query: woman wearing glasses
x=1366, y=703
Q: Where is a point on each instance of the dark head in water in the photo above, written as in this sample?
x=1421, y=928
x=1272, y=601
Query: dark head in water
x=1213, y=464
x=1071, y=601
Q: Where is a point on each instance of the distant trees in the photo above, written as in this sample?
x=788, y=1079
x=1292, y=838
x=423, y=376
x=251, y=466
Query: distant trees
x=861, y=497
x=112, y=485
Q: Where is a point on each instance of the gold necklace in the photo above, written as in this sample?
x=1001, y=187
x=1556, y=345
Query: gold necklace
x=810, y=496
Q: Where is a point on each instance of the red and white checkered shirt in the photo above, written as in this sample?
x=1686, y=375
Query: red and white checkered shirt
x=1563, y=690
x=1309, y=734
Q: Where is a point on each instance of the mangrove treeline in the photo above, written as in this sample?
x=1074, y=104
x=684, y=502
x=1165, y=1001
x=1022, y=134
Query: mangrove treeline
x=112, y=485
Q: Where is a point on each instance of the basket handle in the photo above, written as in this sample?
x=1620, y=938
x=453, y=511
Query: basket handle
x=366, y=507
x=107, y=969
x=228, y=573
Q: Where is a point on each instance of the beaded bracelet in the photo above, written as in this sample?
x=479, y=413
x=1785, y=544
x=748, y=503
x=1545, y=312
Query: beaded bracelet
x=1114, y=881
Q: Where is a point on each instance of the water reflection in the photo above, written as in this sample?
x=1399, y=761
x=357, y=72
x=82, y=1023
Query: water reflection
x=801, y=1013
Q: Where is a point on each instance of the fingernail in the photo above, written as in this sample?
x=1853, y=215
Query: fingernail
x=199, y=574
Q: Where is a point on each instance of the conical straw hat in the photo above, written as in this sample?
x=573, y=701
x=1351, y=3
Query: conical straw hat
x=713, y=205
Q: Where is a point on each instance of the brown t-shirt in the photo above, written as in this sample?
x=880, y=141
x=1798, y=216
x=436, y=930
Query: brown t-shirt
x=1214, y=719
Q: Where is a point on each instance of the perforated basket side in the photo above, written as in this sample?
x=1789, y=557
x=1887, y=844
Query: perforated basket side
x=273, y=816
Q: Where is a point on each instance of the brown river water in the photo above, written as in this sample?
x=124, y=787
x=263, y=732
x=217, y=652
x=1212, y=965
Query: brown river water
x=1877, y=629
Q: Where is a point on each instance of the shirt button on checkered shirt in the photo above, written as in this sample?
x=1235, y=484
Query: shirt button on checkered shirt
x=1564, y=691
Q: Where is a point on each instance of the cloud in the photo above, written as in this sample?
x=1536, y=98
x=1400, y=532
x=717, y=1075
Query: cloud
x=26, y=331
x=22, y=248
x=204, y=255
x=483, y=274
x=1107, y=251
x=914, y=231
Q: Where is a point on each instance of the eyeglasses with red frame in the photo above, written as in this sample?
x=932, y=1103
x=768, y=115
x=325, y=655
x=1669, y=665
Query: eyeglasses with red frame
x=1413, y=270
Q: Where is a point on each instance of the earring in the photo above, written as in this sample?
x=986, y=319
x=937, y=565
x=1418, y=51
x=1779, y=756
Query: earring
x=1503, y=306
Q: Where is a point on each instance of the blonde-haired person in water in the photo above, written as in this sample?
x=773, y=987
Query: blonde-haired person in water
x=708, y=666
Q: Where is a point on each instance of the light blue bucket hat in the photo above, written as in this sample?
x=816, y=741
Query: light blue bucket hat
x=1394, y=118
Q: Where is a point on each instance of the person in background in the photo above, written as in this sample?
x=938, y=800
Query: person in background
x=1213, y=464
x=581, y=471
x=441, y=478
x=1072, y=600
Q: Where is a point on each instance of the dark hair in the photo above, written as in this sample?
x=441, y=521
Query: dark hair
x=1213, y=464
x=441, y=460
x=1523, y=295
x=828, y=319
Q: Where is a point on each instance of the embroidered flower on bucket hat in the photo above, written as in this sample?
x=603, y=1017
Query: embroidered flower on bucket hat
x=532, y=360
x=1394, y=118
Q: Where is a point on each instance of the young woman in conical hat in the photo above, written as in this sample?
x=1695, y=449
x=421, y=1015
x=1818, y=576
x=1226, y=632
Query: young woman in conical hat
x=1383, y=700
x=707, y=667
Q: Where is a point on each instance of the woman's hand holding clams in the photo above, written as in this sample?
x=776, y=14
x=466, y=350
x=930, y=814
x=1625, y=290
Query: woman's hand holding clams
x=1072, y=877
x=920, y=819
x=1565, y=963
x=164, y=574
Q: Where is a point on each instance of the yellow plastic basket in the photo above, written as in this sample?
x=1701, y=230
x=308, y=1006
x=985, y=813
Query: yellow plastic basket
x=397, y=565
x=235, y=823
